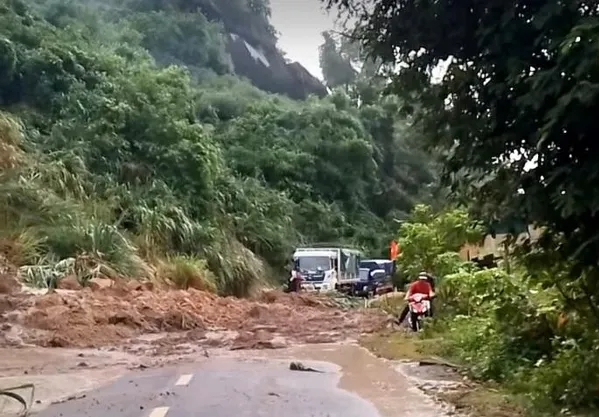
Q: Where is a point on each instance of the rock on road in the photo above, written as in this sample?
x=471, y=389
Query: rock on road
x=256, y=384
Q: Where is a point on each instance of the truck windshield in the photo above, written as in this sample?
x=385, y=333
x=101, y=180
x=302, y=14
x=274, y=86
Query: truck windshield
x=364, y=274
x=369, y=264
x=312, y=263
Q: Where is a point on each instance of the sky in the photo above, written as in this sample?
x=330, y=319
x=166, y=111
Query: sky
x=300, y=24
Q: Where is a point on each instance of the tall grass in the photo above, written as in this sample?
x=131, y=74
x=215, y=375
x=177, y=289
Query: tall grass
x=238, y=270
x=10, y=140
x=53, y=223
x=101, y=241
x=187, y=272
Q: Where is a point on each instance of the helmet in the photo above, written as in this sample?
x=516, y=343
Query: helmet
x=423, y=275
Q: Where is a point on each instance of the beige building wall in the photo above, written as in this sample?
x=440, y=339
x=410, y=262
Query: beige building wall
x=495, y=246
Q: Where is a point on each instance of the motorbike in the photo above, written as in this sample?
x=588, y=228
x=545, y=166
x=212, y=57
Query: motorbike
x=419, y=305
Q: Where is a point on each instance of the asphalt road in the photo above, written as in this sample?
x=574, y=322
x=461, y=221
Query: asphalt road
x=221, y=388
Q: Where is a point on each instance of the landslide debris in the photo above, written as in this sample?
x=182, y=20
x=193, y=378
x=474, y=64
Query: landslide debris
x=112, y=315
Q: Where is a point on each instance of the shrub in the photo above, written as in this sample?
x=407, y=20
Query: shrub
x=520, y=328
x=187, y=272
x=238, y=270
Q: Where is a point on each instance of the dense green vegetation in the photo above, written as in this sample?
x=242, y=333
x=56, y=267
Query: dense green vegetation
x=130, y=148
x=521, y=85
x=505, y=326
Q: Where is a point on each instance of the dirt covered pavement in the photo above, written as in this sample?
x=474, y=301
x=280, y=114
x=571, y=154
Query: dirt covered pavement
x=74, y=343
x=116, y=316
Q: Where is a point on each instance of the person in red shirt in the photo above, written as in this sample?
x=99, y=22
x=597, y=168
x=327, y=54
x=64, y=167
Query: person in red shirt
x=420, y=286
x=424, y=284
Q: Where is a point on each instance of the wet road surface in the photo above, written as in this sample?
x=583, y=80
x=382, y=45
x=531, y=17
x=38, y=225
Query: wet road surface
x=221, y=388
x=223, y=383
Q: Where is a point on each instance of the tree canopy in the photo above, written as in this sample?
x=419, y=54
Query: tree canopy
x=505, y=93
x=521, y=84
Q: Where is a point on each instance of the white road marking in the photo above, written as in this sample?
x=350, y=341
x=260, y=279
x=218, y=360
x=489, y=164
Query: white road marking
x=159, y=412
x=184, y=379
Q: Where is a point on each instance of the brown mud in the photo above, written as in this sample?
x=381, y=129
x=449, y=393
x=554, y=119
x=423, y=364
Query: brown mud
x=116, y=315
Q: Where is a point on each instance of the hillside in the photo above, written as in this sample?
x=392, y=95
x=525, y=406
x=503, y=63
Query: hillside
x=177, y=33
x=131, y=147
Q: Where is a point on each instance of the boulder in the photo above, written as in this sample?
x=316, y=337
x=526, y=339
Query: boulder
x=100, y=283
x=68, y=283
x=9, y=284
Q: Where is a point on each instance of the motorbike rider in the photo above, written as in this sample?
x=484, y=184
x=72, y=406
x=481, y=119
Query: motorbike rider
x=424, y=284
x=295, y=282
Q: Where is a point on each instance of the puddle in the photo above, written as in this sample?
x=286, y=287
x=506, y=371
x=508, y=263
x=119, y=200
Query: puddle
x=151, y=337
x=396, y=389
x=393, y=393
x=293, y=392
x=431, y=374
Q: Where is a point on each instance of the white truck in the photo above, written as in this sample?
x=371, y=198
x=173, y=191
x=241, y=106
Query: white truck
x=328, y=268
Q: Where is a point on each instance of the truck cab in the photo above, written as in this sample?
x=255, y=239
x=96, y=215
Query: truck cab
x=327, y=269
x=380, y=276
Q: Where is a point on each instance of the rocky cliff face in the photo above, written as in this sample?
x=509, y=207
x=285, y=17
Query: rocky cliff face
x=250, y=40
x=268, y=70
x=252, y=45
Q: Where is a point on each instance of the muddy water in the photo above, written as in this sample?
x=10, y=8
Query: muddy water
x=385, y=385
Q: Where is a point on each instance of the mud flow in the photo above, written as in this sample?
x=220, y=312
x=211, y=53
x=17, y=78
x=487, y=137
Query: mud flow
x=115, y=316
